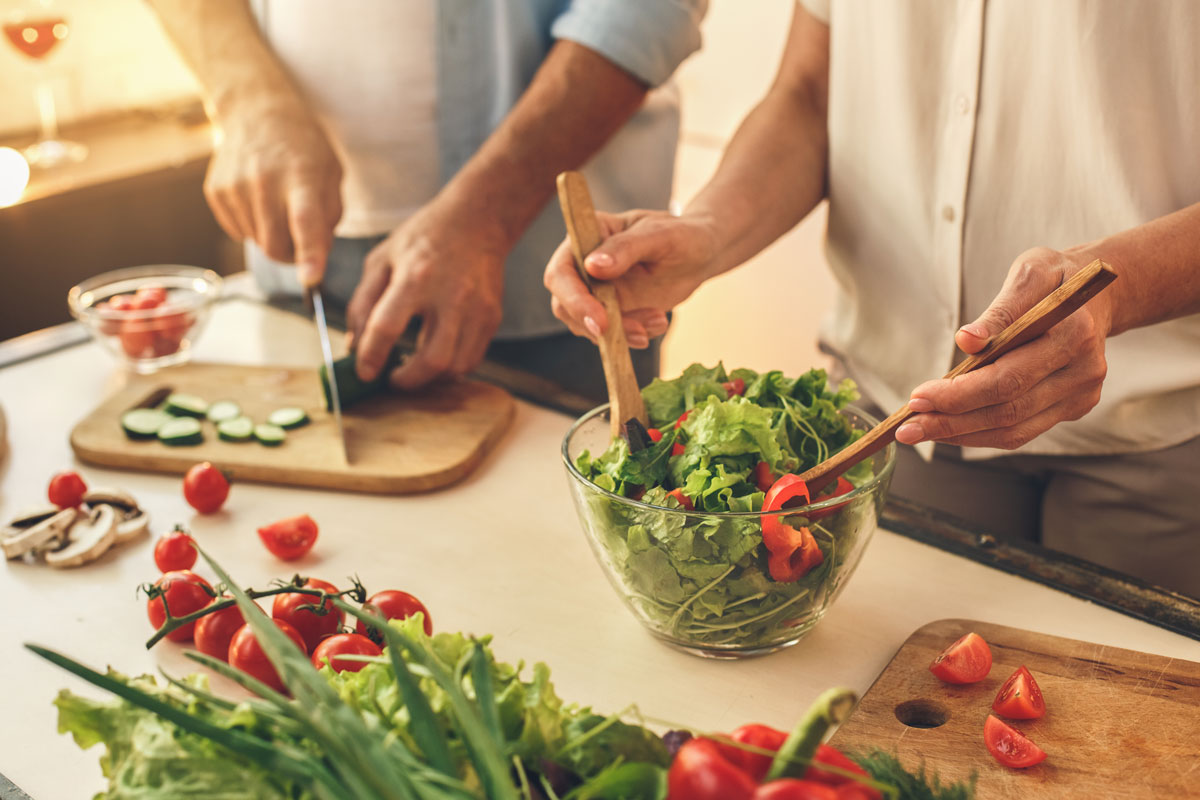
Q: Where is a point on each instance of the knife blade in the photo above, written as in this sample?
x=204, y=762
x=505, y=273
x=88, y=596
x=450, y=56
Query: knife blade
x=335, y=403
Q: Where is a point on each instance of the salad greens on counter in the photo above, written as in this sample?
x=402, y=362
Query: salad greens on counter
x=725, y=438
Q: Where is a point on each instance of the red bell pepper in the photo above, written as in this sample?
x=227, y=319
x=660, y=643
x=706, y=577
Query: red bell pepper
x=791, y=553
x=700, y=772
x=763, y=476
x=681, y=498
x=655, y=434
x=735, y=386
x=842, y=486
x=683, y=417
x=759, y=737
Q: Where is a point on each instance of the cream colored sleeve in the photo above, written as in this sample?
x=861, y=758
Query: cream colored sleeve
x=818, y=8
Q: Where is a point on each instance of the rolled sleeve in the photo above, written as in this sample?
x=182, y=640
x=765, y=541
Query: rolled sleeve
x=649, y=38
x=818, y=8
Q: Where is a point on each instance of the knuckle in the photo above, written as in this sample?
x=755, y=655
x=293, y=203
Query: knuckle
x=1005, y=415
x=1009, y=385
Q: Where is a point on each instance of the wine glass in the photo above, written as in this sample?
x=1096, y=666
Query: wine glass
x=35, y=28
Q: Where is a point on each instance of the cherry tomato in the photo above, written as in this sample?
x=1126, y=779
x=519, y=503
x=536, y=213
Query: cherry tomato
x=66, y=489
x=175, y=550
x=137, y=337
x=735, y=386
x=842, y=486
x=681, y=498
x=392, y=604
x=966, y=661
x=655, y=434
x=792, y=789
x=205, y=487
x=764, y=478
x=170, y=326
x=185, y=592
x=246, y=654
x=760, y=737
x=1020, y=697
x=344, y=644
x=149, y=297
x=313, y=627
x=110, y=324
x=1009, y=746
x=830, y=756
x=290, y=538
x=215, y=631
x=700, y=772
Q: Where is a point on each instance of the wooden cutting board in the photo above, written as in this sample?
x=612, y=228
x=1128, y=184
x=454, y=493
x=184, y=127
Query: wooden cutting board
x=1119, y=723
x=397, y=443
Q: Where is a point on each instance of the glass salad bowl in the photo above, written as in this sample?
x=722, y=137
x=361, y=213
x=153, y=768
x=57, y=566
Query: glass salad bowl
x=147, y=317
x=699, y=581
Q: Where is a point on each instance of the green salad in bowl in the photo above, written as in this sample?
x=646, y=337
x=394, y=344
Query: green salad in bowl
x=679, y=513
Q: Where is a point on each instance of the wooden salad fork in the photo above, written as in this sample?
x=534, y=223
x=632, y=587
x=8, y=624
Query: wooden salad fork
x=1055, y=307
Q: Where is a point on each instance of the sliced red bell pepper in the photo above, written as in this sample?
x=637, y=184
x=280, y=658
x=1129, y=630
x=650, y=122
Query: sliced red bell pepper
x=655, y=434
x=763, y=476
x=677, y=449
x=683, y=417
x=791, y=552
x=681, y=498
x=842, y=486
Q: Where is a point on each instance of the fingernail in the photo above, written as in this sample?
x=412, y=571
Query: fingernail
x=975, y=329
x=910, y=433
x=599, y=260
x=307, y=273
x=920, y=405
x=592, y=326
x=638, y=340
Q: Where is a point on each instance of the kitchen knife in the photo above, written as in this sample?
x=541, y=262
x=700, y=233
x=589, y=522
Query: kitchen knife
x=335, y=399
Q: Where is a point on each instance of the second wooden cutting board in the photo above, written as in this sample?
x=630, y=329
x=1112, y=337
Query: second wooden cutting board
x=398, y=443
x=1119, y=723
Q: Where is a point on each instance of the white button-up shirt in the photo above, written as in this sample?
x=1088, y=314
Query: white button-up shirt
x=963, y=133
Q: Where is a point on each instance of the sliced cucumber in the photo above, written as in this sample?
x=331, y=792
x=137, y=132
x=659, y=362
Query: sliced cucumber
x=238, y=429
x=181, y=431
x=143, y=423
x=270, y=435
x=222, y=410
x=186, y=405
x=290, y=417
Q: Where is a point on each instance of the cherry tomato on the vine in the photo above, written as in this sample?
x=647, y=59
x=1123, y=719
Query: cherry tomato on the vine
x=344, y=644
x=313, y=627
x=393, y=604
x=175, y=550
x=289, y=539
x=214, y=631
x=66, y=489
x=966, y=661
x=205, y=488
x=184, y=592
x=246, y=654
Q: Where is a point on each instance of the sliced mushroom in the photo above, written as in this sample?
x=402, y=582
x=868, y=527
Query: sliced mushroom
x=132, y=525
x=48, y=530
x=88, y=539
x=32, y=516
x=107, y=495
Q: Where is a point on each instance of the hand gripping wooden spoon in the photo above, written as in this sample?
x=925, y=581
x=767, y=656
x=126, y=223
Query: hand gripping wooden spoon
x=624, y=397
x=1055, y=307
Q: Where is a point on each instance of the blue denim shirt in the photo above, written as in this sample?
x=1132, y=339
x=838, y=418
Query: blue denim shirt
x=487, y=54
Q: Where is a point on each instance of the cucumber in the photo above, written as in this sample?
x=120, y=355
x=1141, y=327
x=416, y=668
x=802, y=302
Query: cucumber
x=238, y=429
x=186, y=405
x=181, y=431
x=143, y=423
x=270, y=435
x=351, y=388
x=288, y=418
x=222, y=410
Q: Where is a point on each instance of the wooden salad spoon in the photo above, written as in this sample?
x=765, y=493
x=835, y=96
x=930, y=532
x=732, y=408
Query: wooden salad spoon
x=624, y=396
x=1053, y=308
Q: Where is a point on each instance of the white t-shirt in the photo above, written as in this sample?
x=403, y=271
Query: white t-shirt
x=377, y=98
x=962, y=134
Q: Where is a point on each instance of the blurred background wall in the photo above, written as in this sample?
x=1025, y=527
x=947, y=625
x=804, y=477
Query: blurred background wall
x=137, y=198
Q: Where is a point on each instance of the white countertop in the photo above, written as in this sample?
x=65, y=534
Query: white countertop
x=500, y=553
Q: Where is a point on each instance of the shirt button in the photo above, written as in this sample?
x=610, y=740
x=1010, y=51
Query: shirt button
x=948, y=213
x=962, y=104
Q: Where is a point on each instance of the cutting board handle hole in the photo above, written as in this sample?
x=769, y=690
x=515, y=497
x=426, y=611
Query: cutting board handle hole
x=922, y=714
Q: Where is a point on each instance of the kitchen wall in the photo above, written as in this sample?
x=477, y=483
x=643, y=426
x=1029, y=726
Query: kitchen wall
x=115, y=57
x=763, y=315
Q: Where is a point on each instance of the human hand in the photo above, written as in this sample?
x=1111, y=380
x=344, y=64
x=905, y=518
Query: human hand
x=275, y=179
x=1053, y=378
x=449, y=273
x=654, y=259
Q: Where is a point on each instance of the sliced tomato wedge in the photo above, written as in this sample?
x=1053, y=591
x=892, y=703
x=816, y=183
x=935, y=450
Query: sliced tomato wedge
x=966, y=661
x=1009, y=746
x=1020, y=697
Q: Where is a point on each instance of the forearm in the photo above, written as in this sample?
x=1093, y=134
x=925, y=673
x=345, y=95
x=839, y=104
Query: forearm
x=1158, y=265
x=773, y=171
x=220, y=42
x=577, y=100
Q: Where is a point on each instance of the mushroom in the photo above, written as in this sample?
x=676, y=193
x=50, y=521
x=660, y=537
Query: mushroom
x=19, y=539
x=87, y=539
x=132, y=521
x=132, y=525
x=107, y=495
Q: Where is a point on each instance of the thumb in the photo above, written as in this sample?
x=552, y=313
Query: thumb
x=1015, y=298
x=621, y=251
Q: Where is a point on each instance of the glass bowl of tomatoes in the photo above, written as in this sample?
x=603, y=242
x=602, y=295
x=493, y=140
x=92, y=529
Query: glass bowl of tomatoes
x=724, y=584
x=148, y=317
